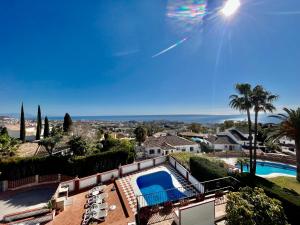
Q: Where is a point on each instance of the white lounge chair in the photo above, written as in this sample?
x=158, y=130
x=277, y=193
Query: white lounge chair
x=100, y=215
x=103, y=196
x=100, y=188
x=97, y=207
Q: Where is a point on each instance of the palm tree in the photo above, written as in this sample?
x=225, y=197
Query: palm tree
x=242, y=162
x=242, y=102
x=288, y=127
x=262, y=101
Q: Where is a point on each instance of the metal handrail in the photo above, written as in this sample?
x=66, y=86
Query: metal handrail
x=201, y=185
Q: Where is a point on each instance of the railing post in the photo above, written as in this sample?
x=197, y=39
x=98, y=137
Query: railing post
x=4, y=185
x=36, y=179
x=120, y=171
x=77, y=184
x=98, y=178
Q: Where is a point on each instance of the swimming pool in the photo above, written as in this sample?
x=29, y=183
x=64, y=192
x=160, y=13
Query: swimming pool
x=268, y=168
x=158, y=187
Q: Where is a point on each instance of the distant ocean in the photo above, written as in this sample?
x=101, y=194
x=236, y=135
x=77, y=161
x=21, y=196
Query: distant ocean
x=205, y=119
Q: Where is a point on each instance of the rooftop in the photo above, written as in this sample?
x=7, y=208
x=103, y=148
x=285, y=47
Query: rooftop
x=223, y=139
x=171, y=140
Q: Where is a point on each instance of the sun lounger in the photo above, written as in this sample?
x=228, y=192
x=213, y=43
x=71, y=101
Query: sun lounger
x=97, y=207
x=100, y=188
x=100, y=215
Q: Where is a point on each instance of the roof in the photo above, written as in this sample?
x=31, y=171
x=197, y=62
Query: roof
x=190, y=134
x=223, y=139
x=167, y=141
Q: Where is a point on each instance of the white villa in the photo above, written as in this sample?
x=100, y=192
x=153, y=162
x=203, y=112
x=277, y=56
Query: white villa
x=230, y=139
x=163, y=145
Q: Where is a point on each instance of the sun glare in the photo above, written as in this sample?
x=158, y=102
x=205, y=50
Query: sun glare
x=230, y=7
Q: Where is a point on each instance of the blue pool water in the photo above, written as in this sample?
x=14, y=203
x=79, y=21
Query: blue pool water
x=266, y=168
x=158, y=188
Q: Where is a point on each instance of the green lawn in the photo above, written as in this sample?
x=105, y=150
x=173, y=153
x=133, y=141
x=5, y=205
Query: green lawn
x=287, y=182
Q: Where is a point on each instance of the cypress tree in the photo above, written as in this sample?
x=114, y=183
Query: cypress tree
x=39, y=124
x=22, y=125
x=67, y=123
x=46, y=128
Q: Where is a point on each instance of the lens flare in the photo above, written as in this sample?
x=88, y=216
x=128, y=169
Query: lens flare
x=186, y=15
x=230, y=7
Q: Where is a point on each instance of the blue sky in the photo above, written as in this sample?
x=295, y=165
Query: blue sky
x=95, y=57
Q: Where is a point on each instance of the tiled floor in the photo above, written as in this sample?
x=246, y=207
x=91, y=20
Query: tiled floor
x=125, y=184
x=72, y=215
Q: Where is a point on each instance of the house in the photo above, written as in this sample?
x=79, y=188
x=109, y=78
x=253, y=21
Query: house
x=163, y=145
x=224, y=142
x=230, y=139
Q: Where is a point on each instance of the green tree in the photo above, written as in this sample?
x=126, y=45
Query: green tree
x=99, y=133
x=67, y=126
x=46, y=128
x=140, y=134
x=56, y=131
x=262, y=101
x=242, y=162
x=38, y=124
x=252, y=207
x=50, y=143
x=3, y=130
x=243, y=102
x=288, y=127
x=8, y=145
x=22, y=125
x=78, y=145
x=195, y=127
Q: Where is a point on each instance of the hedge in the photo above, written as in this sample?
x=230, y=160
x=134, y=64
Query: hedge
x=204, y=169
x=289, y=198
x=16, y=168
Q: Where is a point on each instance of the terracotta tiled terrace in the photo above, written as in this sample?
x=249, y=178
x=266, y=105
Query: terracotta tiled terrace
x=72, y=215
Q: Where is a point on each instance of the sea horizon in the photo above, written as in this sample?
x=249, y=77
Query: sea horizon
x=186, y=118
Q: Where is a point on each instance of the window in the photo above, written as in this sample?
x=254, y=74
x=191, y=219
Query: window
x=151, y=151
x=191, y=149
x=158, y=151
x=183, y=149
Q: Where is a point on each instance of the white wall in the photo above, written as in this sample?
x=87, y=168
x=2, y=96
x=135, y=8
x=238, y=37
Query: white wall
x=202, y=213
x=146, y=164
x=181, y=169
x=195, y=147
x=226, y=147
x=87, y=182
x=106, y=176
x=160, y=160
x=70, y=183
x=130, y=168
x=172, y=161
x=196, y=183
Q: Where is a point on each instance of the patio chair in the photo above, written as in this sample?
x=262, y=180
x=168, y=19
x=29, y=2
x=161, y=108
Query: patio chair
x=103, y=196
x=100, y=188
x=100, y=215
x=97, y=207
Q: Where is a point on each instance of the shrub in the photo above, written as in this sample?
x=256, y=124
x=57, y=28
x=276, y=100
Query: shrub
x=290, y=199
x=204, y=169
x=16, y=168
x=252, y=206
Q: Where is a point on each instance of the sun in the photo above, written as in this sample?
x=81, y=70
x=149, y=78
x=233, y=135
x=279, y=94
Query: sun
x=230, y=7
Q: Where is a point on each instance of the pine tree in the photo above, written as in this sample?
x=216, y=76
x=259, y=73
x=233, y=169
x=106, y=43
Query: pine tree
x=22, y=125
x=67, y=123
x=46, y=128
x=39, y=124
